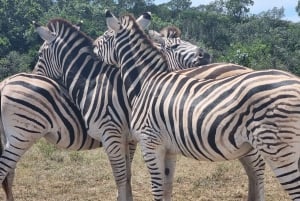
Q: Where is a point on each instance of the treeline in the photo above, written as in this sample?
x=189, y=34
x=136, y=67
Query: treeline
x=225, y=28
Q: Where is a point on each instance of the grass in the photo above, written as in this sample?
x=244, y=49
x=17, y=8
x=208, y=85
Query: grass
x=48, y=174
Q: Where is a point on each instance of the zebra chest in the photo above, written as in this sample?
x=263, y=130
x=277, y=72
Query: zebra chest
x=106, y=120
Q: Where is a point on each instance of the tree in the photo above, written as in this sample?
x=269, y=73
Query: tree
x=179, y=5
x=238, y=9
x=298, y=7
x=16, y=18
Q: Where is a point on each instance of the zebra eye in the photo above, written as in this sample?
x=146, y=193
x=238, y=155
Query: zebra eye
x=174, y=46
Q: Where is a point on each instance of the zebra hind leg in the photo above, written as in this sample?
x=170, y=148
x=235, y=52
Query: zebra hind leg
x=289, y=177
x=287, y=170
x=7, y=185
x=15, y=148
x=254, y=166
x=8, y=181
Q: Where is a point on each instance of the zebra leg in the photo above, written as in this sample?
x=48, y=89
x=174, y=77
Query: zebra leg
x=254, y=166
x=15, y=148
x=7, y=185
x=119, y=158
x=170, y=164
x=154, y=156
x=132, y=147
x=287, y=171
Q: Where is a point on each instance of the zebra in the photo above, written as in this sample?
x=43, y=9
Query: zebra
x=73, y=138
x=253, y=164
x=32, y=107
x=95, y=88
x=212, y=120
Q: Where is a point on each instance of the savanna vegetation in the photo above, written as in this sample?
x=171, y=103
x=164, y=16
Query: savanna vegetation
x=224, y=27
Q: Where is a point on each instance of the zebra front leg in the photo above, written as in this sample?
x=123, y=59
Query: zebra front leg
x=170, y=164
x=131, y=150
x=254, y=166
x=7, y=185
x=118, y=154
x=154, y=156
x=131, y=147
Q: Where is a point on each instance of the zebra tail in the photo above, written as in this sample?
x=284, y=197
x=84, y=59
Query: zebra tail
x=5, y=184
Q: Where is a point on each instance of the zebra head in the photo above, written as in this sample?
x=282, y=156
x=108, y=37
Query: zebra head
x=62, y=42
x=45, y=54
x=179, y=53
x=105, y=43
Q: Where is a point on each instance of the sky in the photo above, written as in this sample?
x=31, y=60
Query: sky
x=260, y=6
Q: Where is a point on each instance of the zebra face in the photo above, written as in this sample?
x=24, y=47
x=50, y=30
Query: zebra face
x=46, y=59
x=179, y=53
x=104, y=45
x=185, y=53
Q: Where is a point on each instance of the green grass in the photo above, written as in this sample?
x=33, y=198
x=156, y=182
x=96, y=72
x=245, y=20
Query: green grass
x=48, y=174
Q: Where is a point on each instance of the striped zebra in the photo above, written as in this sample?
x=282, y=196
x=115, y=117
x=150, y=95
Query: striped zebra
x=253, y=164
x=70, y=129
x=212, y=120
x=32, y=107
x=96, y=89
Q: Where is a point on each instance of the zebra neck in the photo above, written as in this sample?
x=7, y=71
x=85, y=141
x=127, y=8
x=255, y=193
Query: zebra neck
x=139, y=60
x=80, y=79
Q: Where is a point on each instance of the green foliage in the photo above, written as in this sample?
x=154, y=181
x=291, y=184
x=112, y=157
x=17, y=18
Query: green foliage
x=13, y=63
x=255, y=55
x=224, y=27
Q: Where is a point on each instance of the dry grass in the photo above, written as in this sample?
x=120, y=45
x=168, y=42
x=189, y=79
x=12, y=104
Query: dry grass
x=48, y=174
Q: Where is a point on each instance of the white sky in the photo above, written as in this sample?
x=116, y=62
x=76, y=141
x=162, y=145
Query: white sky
x=260, y=6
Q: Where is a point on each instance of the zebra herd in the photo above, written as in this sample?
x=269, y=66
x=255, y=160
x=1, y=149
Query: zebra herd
x=126, y=88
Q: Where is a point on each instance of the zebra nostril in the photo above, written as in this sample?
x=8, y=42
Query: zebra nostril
x=201, y=53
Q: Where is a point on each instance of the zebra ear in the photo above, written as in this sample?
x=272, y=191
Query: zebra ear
x=156, y=37
x=44, y=32
x=111, y=21
x=144, y=20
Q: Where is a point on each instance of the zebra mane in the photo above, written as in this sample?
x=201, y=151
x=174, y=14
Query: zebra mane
x=139, y=31
x=58, y=24
x=170, y=32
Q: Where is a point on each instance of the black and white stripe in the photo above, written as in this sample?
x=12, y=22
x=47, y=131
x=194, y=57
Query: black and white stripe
x=209, y=120
x=179, y=53
x=32, y=107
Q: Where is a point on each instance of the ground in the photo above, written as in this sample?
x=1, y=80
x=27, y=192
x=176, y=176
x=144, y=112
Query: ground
x=48, y=174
